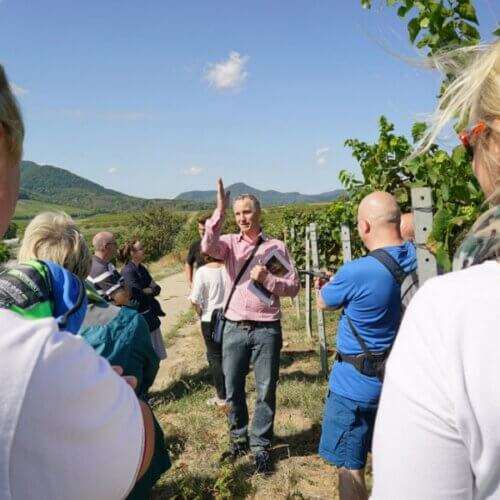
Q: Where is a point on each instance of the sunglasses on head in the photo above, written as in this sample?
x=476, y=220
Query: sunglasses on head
x=468, y=137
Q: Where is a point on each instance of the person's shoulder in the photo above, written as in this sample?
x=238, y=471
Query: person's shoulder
x=464, y=284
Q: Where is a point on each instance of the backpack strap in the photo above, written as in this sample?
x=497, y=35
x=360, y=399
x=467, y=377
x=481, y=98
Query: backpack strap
x=390, y=263
x=241, y=273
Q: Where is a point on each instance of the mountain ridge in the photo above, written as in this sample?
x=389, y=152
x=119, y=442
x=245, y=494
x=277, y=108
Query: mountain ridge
x=267, y=197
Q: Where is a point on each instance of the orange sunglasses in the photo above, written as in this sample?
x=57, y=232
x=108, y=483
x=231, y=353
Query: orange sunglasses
x=469, y=136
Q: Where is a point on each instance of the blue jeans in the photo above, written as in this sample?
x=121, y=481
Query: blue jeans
x=260, y=345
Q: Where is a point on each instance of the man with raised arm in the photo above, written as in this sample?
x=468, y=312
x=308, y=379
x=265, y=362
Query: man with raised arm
x=252, y=333
x=369, y=292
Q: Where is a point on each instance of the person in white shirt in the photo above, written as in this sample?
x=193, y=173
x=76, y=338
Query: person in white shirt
x=207, y=294
x=436, y=435
x=70, y=426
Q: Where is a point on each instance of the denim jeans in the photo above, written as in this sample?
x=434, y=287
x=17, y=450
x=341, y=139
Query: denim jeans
x=214, y=358
x=260, y=345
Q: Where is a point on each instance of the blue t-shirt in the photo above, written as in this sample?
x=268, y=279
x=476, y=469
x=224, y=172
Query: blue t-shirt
x=370, y=296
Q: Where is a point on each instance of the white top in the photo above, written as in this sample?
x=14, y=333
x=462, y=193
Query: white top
x=209, y=286
x=437, y=434
x=70, y=428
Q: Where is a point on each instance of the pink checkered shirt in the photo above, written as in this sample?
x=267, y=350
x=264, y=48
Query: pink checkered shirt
x=234, y=250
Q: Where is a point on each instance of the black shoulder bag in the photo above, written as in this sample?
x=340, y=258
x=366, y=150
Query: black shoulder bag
x=218, y=319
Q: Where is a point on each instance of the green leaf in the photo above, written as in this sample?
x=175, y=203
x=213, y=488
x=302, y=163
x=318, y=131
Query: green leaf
x=413, y=29
x=418, y=130
x=468, y=12
x=366, y=4
x=390, y=3
x=424, y=22
x=497, y=32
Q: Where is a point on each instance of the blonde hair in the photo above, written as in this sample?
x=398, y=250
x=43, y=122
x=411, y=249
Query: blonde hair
x=472, y=96
x=10, y=118
x=55, y=236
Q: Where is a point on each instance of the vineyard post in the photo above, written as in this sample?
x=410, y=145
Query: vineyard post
x=421, y=203
x=296, y=299
x=308, y=284
x=346, y=242
x=323, y=355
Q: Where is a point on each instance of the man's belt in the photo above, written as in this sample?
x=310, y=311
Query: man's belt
x=364, y=363
x=250, y=324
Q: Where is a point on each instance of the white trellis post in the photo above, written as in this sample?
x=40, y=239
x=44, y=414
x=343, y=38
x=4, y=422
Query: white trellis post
x=421, y=203
x=346, y=242
x=323, y=354
x=308, y=285
x=295, y=300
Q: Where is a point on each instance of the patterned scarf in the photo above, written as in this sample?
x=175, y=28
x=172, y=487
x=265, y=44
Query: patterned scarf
x=482, y=243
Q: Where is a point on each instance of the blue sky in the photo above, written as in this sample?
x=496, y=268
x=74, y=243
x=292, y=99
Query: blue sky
x=157, y=97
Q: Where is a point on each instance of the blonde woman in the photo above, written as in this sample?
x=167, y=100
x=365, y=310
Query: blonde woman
x=437, y=435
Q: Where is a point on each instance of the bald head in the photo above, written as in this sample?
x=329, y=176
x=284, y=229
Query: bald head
x=407, y=227
x=379, y=216
x=104, y=244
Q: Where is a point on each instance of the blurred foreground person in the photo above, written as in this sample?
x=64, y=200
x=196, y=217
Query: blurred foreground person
x=70, y=427
x=207, y=295
x=144, y=290
x=252, y=326
x=437, y=429
x=369, y=291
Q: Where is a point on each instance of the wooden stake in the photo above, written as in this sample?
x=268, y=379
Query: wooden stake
x=308, y=285
x=346, y=242
x=323, y=354
x=421, y=202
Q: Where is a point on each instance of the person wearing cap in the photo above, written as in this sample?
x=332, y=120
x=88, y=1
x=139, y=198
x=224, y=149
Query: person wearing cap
x=70, y=426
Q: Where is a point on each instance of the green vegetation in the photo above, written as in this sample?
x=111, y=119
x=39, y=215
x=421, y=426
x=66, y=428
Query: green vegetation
x=4, y=253
x=48, y=184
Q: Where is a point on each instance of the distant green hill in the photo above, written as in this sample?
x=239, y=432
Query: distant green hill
x=270, y=197
x=57, y=186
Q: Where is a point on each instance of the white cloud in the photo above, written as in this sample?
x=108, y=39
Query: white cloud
x=230, y=74
x=194, y=170
x=18, y=90
x=321, y=156
x=112, y=170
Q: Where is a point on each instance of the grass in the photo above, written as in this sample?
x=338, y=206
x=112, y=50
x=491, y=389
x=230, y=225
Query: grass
x=197, y=434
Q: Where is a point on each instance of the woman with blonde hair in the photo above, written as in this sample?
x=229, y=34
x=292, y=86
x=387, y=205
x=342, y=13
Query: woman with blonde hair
x=436, y=435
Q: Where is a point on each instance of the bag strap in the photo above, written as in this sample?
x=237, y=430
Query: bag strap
x=241, y=273
x=390, y=263
x=355, y=332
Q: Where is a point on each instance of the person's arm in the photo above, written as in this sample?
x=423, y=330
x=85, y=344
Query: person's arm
x=287, y=286
x=211, y=243
x=133, y=281
x=197, y=293
x=337, y=292
x=188, y=271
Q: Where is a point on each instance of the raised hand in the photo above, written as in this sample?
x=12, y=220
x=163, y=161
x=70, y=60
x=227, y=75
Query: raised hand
x=222, y=197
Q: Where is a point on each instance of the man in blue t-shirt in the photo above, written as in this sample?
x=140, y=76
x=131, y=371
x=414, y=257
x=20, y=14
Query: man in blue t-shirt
x=370, y=297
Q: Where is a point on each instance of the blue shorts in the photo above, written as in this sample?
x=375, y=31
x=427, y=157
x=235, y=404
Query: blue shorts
x=346, y=434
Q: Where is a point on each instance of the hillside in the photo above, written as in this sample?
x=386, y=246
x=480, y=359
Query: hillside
x=270, y=197
x=49, y=184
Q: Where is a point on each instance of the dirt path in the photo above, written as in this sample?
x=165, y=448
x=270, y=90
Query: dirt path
x=173, y=299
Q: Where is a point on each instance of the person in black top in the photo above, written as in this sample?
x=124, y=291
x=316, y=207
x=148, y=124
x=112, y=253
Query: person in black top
x=194, y=257
x=144, y=290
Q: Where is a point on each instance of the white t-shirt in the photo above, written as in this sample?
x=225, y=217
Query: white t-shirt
x=70, y=428
x=437, y=434
x=209, y=286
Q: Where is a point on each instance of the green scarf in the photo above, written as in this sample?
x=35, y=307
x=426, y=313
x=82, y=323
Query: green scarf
x=482, y=243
